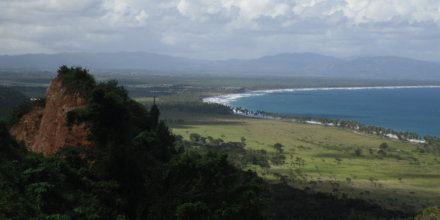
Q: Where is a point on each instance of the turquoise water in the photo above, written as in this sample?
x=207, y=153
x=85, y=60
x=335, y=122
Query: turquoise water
x=401, y=109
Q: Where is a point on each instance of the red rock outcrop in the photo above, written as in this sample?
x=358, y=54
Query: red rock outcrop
x=45, y=129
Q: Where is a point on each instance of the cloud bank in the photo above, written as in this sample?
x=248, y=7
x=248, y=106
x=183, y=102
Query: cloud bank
x=222, y=29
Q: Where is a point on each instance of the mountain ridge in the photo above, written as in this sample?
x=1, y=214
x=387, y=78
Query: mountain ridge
x=287, y=64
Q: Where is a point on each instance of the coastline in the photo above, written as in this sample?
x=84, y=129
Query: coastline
x=228, y=98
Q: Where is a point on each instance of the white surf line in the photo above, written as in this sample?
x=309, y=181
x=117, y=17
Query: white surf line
x=228, y=98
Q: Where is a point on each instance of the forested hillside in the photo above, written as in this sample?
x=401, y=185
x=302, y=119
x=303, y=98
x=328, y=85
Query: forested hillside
x=137, y=169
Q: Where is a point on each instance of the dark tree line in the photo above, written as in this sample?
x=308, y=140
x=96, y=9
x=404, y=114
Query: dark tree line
x=199, y=107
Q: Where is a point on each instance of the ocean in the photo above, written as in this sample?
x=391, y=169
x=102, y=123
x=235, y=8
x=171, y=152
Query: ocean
x=413, y=109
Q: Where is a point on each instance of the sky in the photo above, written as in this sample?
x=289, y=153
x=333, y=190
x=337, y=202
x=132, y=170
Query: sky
x=223, y=29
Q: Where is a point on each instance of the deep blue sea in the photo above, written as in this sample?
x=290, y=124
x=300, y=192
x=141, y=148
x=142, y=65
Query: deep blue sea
x=401, y=109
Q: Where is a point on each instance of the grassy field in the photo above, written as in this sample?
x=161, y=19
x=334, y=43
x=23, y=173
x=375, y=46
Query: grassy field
x=328, y=159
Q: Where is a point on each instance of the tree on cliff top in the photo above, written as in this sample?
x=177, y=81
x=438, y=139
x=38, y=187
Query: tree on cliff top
x=77, y=80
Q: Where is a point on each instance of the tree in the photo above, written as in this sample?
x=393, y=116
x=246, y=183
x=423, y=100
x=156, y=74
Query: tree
x=77, y=80
x=154, y=115
x=278, y=159
x=209, y=186
x=9, y=148
x=193, y=210
x=243, y=139
x=194, y=137
x=384, y=146
x=278, y=147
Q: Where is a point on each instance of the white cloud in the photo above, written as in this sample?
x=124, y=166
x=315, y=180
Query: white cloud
x=183, y=7
x=121, y=14
x=247, y=9
x=411, y=11
x=222, y=28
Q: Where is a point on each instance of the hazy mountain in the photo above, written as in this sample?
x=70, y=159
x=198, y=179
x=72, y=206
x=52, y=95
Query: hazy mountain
x=122, y=60
x=388, y=67
x=297, y=64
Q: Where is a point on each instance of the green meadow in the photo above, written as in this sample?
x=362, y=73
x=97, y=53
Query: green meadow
x=341, y=162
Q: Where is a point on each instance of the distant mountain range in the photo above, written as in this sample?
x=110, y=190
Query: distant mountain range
x=293, y=64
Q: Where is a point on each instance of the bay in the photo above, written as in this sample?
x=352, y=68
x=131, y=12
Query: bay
x=402, y=109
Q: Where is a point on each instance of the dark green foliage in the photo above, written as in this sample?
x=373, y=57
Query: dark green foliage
x=243, y=139
x=432, y=145
x=44, y=188
x=384, y=146
x=237, y=154
x=136, y=150
x=36, y=187
x=154, y=115
x=429, y=213
x=210, y=186
x=199, y=107
x=278, y=147
x=19, y=111
x=195, y=137
x=109, y=115
x=193, y=210
x=9, y=148
x=291, y=203
x=77, y=80
x=278, y=159
x=9, y=99
x=257, y=157
x=113, y=116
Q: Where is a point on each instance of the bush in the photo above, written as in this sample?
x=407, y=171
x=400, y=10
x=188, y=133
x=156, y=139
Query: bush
x=77, y=80
x=430, y=213
x=384, y=146
x=194, y=137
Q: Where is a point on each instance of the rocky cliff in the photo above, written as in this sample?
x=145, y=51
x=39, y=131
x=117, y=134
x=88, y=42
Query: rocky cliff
x=45, y=129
